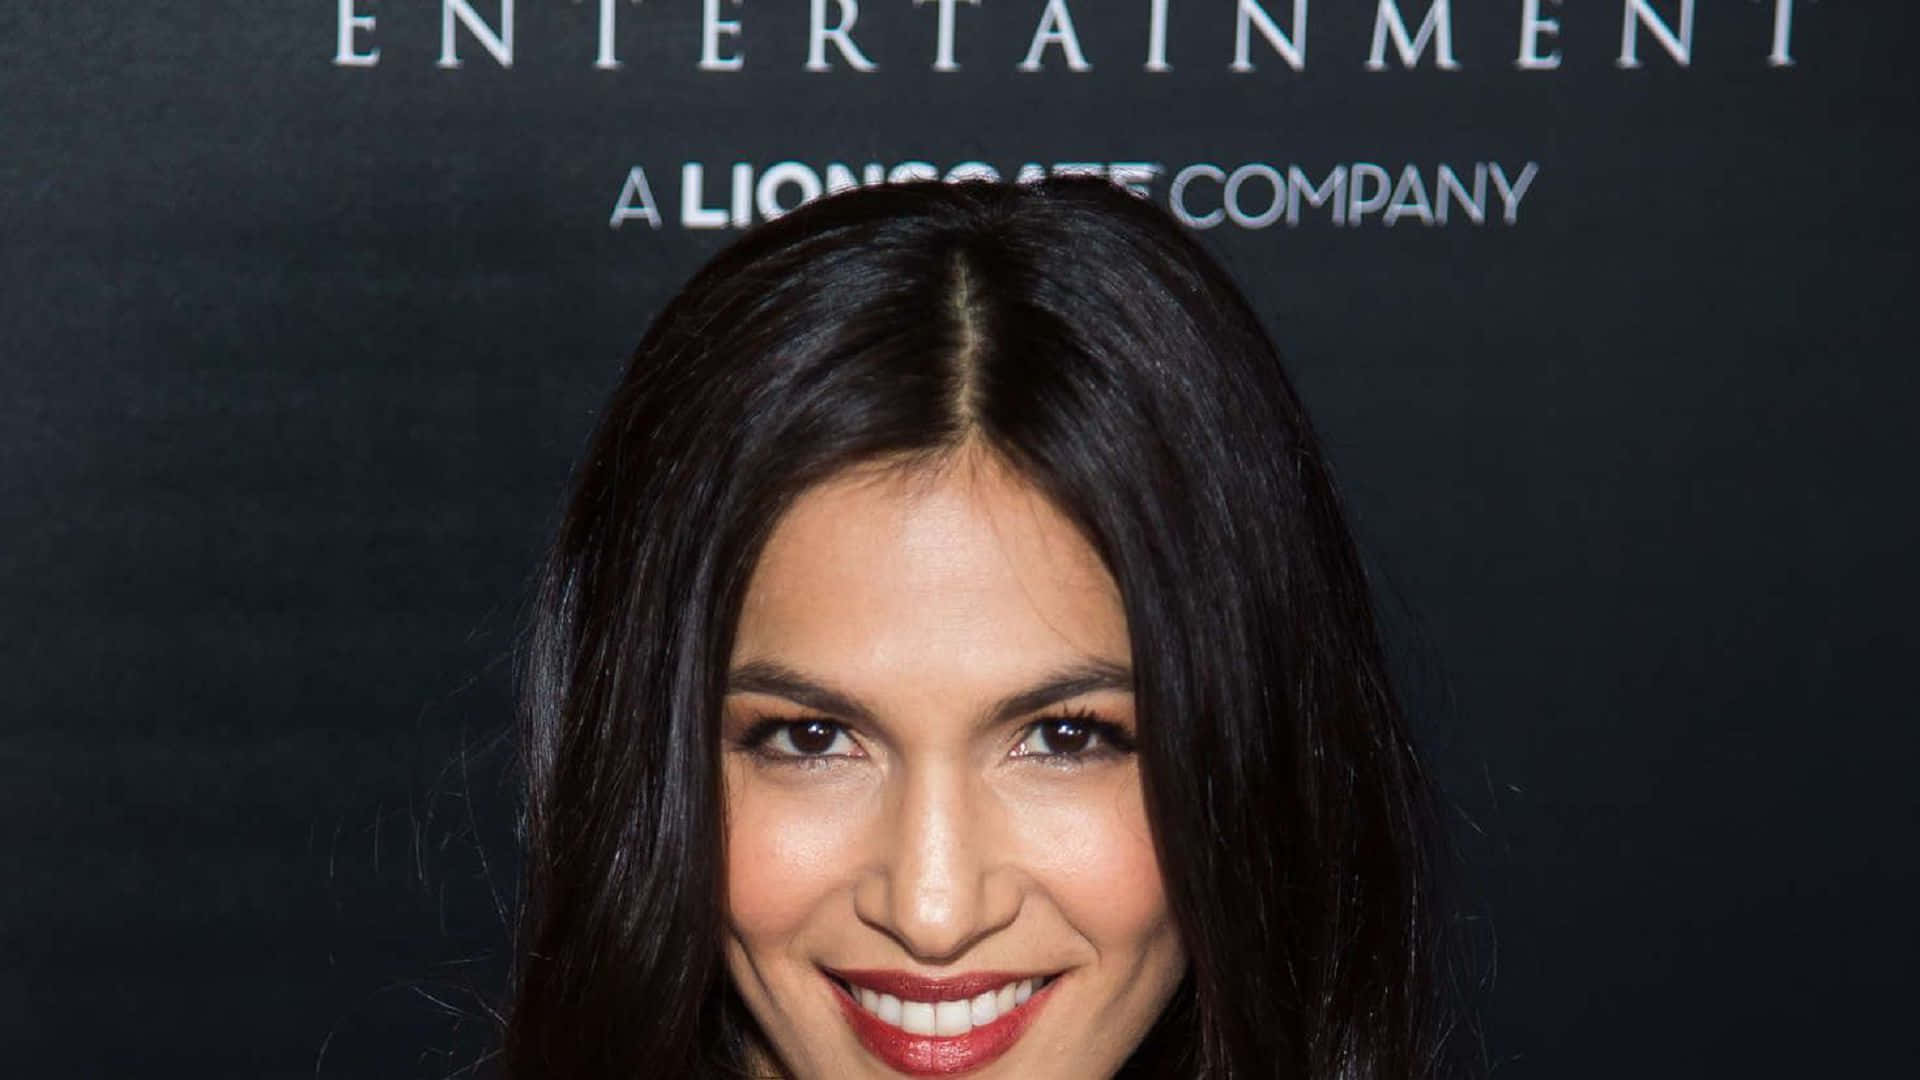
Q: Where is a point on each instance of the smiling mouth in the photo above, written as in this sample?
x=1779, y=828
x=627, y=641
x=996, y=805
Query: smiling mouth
x=926, y=1027
x=956, y=1016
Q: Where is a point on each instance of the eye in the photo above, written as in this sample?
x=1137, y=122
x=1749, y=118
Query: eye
x=1071, y=737
x=806, y=737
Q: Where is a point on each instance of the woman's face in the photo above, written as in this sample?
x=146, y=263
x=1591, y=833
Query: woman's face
x=938, y=859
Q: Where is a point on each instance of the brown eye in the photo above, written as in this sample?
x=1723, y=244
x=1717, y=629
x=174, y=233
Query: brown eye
x=813, y=736
x=806, y=738
x=1065, y=736
x=1058, y=737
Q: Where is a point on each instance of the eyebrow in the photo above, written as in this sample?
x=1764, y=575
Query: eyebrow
x=778, y=680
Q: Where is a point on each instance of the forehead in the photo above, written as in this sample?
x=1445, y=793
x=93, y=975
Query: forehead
x=929, y=585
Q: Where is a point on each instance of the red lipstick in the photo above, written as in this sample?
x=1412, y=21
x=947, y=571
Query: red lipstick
x=936, y=1055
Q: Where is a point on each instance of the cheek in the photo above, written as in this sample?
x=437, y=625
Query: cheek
x=785, y=856
x=1094, y=853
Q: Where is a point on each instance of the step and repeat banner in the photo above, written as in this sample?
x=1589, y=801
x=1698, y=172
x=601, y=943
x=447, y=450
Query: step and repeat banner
x=1605, y=309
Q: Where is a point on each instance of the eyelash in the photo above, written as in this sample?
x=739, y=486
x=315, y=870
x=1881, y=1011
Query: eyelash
x=1110, y=740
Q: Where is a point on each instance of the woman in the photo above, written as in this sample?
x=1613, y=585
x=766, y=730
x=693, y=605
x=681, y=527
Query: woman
x=953, y=659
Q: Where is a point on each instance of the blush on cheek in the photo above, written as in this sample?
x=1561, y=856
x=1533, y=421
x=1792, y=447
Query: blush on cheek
x=1095, y=854
x=784, y=856
x=1117, y=894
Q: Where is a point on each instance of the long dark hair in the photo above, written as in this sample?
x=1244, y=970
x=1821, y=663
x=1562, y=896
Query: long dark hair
x=1092, y=344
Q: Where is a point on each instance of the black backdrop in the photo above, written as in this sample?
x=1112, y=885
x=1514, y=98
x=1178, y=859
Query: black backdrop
x=300, y=348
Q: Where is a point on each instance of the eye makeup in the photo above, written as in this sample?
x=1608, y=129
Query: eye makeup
x=806, y=740
x=1062, y=739
x=1072, y=738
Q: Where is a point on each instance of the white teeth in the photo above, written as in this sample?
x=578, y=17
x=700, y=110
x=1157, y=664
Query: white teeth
x=1005, y=1000
x=916, y=1017
x=951, y=1018
x=946, y=1017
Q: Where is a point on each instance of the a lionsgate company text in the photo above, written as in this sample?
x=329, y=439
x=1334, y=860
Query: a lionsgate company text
x=1203, y=195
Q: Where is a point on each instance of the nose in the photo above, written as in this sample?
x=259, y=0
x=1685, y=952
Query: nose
x=943, y=879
